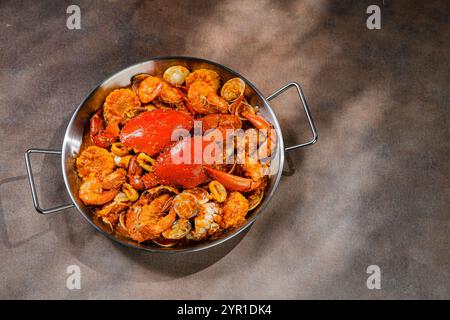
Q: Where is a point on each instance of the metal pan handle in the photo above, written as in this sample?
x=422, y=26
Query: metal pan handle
x=33, y=186
x=305, y=107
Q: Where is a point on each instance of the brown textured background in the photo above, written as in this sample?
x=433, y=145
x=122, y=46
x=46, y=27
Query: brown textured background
x=374, y=190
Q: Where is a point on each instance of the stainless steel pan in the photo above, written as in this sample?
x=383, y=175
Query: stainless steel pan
x=80, y=121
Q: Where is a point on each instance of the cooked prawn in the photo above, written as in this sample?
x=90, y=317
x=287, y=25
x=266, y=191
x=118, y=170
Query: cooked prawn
x=203, y=99
x=148, y=221
x=149, y=89
x=169, y=94
x=93, y=193
x=115, y=179
x=110, y=212
x=211, y=77
x=255, y=169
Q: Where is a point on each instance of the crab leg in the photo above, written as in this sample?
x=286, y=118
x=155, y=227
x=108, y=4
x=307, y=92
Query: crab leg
x=257, y=121
x=220, y=121
x=233, y=182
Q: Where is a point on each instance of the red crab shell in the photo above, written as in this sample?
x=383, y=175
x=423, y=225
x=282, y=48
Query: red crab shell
x=152, y=131
x=190, y=173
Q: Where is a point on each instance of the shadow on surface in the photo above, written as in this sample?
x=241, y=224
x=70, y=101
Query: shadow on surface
x=18, y=230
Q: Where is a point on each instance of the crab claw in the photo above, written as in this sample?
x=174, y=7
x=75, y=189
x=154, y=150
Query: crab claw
x=257, y=121
x=100, y=136
x=233, y=182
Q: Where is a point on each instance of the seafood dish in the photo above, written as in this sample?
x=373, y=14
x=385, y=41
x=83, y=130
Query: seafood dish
x=175, y=158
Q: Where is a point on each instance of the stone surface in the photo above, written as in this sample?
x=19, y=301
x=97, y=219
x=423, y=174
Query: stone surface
x=373, y=190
